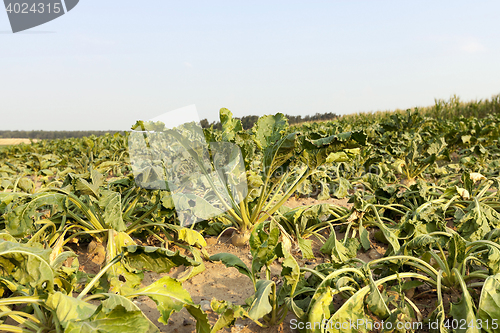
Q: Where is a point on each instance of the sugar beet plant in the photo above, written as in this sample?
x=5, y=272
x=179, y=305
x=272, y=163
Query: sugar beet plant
x=271, y=153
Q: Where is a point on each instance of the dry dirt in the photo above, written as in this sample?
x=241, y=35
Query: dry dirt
x=10, y=142
x=293, y=202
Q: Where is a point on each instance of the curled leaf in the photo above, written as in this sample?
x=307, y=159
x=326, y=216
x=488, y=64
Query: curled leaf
x=476, y=176
x=463, y=193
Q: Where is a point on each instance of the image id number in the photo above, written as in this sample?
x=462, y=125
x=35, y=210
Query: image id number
x=36, y=8
x=474, y=324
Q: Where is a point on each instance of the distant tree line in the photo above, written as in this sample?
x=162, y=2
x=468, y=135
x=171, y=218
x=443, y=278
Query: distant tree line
x=50, y=135
x=248, y=121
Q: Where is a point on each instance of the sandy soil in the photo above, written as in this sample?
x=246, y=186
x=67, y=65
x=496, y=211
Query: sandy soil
x=293, y=202
x=10, y=142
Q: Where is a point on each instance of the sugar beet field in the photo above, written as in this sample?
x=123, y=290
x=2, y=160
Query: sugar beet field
x=385, y=222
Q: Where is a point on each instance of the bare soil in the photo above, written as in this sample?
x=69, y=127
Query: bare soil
x=294, y=203
x=10, y=142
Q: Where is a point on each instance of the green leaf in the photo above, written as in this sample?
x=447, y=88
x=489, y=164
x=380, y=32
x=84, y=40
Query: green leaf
x=291, y=270
x=410, y=284
x=168, y=294
x=336, y=157
x=305, y=246
x=166, y=200
x=229, y=125
x=456, y=251
x=341, y=190
x=263, y=244
x=278, y=154
x=228, y=314
x=269, y=129
x=464, y=310
x=155, y=259
x=260, y=305
x=467, y=181
x=335, y=248
x=110, y=202
x=121, y=279
x=479, y=220
x=364, y=237
x=7, y=198
x=20, y=218
x=320, y=310
x=352, y=311
x=114, y=300
x=68, y=308
x=61, y=258
x=190, y=236
x=7, y=237
x=492, y=259
x=317, y=150
x=86, y=188
x=118, y=320
x=352, y=245
x=230, y=260
x=376, y=303
x=390, y=236
x=193, y=270
x=420, y=242
x=202, y=324
x=27, y=265
x=489, y=303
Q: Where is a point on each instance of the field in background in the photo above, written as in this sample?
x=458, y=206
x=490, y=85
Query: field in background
x=11, y=142
x=442, y=109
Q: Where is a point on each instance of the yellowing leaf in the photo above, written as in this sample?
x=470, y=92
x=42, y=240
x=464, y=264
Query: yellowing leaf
x=463, y=193
x=475, y=176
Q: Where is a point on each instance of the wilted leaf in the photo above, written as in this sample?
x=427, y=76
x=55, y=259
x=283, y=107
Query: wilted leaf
x=169, y=296
x=19, y=220
x=27, y=265
x=68, y=308
x=230, y=260
x=155, y=259
x=260, y=305
x=110, y=203
x=489, y=303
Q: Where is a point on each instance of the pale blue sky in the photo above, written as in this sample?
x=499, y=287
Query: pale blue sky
x=106, y=64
